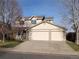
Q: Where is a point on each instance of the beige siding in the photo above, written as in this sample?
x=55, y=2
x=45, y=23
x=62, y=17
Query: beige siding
x=46, y=26
x=39, y=21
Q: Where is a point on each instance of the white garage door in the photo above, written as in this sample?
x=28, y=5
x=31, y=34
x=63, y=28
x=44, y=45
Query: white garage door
x=40, y=36
x=57, y=36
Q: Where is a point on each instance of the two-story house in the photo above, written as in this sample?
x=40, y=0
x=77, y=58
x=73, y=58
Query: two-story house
x=40, y=28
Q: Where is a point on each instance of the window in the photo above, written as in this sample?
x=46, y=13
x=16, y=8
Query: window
x=33, y=21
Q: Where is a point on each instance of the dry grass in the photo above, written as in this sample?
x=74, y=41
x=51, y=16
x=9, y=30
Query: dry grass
x=9, y=44
x=73, y=45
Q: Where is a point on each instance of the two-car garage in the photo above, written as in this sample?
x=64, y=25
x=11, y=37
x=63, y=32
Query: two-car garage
x=46, y=31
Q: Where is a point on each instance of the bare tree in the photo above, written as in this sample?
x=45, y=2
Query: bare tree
x=72, y=7
x=9, y=11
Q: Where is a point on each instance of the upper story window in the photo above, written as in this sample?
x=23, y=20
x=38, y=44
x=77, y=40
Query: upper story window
x=33, y=21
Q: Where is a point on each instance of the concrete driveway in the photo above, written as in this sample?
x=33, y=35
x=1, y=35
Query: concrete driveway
x=50, y=47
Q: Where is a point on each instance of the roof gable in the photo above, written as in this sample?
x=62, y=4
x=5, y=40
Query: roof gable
x=46, y=25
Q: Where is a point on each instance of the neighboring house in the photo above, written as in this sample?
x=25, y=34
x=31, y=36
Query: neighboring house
x=42, y=28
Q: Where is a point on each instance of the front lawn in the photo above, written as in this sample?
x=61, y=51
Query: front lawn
x=73, y=45
x=9, y=44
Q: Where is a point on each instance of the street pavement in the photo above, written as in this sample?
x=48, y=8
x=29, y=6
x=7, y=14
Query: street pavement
x=17, y=55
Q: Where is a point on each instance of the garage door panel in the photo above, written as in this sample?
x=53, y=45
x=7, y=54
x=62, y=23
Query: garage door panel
x=57, y=36
x=40, y=36
x=47, y=35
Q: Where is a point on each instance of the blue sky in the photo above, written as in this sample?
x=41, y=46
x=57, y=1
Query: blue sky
x=42, y=8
